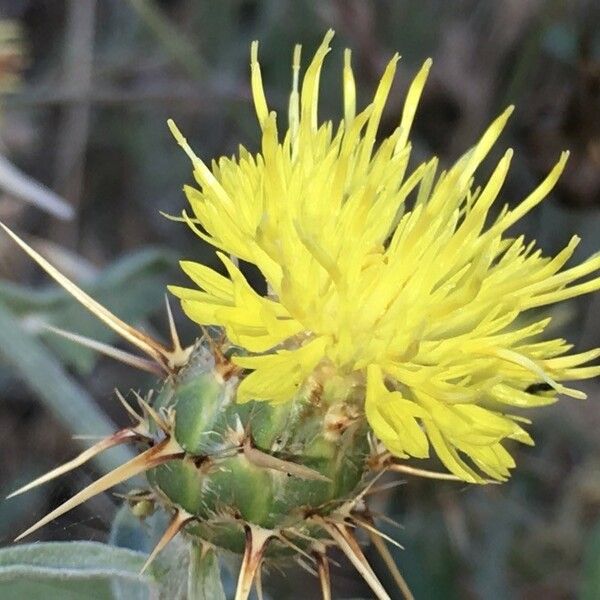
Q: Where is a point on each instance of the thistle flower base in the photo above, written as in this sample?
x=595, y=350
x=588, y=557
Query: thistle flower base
x=266, y=466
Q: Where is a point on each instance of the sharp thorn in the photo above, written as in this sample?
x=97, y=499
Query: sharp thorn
x=303, y=536
x=124, y=357
x=172, y=327
x=162, y=424
x=120, y=437
x=162, y=452
x=398, y=468
x=257, y=540
x=372, y=529
x=386, y=519
x=324, y=578
x=346, y=509
x=305, y=566
x=267, y=461
x=258, y=583
x=390, y=563
x=349, y=546
x=379, y=457
x=132, y=413
x=179, y=356
x=385, y=487
x=142, y=341
x=179, y=521
x=284, y=540
x=341, y=519
x=367, y=488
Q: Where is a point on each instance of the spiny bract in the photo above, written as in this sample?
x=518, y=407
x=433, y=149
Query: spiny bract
x=392, y=323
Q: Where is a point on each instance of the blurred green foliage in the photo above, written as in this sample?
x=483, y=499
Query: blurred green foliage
x=128, y=288
x=99, y=81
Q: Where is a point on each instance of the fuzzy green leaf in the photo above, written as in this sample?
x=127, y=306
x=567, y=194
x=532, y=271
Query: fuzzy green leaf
x=73, y=571
x=171, y=565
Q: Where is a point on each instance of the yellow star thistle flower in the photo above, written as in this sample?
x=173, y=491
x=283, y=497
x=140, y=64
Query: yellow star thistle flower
x=397, y=279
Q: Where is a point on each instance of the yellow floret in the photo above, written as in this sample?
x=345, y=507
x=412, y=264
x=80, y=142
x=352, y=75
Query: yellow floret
x=398, y=277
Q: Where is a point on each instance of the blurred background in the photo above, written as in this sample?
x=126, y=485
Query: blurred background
x=87, y=166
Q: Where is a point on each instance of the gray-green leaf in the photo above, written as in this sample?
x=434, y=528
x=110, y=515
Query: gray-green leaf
x=72, y=571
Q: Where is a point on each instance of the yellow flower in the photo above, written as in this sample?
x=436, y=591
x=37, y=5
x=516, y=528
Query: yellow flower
x=400, y=279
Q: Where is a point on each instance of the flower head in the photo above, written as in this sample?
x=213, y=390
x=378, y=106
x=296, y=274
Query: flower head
x=397, y=277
